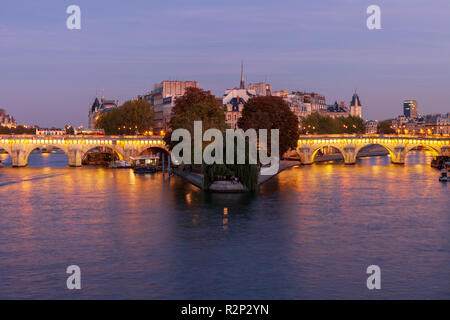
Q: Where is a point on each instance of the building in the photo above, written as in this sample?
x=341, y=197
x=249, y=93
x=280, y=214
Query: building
x=410, y=108
x=355, y=106
x=371, y=126
x=262, y=89
x=163, y=97
x=97, y=108
x=313, y=102
x=443, y=124
x=430, y=124
x=337, y=110
x=234, y=100
x=6, y=120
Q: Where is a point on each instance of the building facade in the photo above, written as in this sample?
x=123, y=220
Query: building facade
x=371, y=126
x=233, y=101
x=6, y=120
x=98, y=107
x=410, y=109
x=430, y=124
x=355, y=106
x=261, y=89
x=163, y=97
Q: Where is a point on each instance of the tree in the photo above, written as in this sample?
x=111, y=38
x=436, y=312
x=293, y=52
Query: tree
x=385, y=127
x=271, y=113
x=318, y=124
x=133, y=117
x=17, y=130
x=69, y=129
x=195, y=105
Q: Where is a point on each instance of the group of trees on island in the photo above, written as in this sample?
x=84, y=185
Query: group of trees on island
x=17, y=130
x=259, y=113
x=133, y=117
x=385, y=127
x=320, y=124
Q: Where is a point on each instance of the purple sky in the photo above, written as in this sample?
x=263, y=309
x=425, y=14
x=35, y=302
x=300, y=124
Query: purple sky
x=49, y=74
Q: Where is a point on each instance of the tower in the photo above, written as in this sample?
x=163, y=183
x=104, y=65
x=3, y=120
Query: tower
x=410, y=108
x=355, y=106
x=242, y=84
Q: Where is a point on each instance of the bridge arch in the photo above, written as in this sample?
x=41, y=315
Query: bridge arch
x=7, y=157
x=48, y=147
x=434, y=151
x=154, y=150
x=92, y=147
x=388, y=148
x=6, y=148
x=315, y=150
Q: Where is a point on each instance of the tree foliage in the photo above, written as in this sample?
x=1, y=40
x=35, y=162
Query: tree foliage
x=271, y=113
x=316, y=123
x=199, y=105
x=195, y=105
x=247, y=173
x=17, y=130
x=385, y=127
x=133, y=117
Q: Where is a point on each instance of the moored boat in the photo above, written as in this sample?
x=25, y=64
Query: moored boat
x=120, y=164
x=439, y=161
x=444, y=176
x=144, y=164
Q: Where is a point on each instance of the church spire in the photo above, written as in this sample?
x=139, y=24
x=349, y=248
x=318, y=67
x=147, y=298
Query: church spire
x=242, y=85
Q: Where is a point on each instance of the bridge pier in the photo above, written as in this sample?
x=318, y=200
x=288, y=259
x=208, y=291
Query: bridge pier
x=129, y=151
x=445, y=151
x=75, y=155
x=306, y=155
x=349, y=154
x=398, y=155
x=19, y=156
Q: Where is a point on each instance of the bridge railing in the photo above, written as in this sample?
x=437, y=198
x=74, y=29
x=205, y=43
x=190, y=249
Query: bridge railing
x=76, y=137
x=388, y=137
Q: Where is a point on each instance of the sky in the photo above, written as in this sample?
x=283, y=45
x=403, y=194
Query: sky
x=49, y=75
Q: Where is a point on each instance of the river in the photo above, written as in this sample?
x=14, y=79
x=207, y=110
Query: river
x=309, y=233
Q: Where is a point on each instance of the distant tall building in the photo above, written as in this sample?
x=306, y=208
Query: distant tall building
x=410, y=109
x=163, y=97
x=355, y=106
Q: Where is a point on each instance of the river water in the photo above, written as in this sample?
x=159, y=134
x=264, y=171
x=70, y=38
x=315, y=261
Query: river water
x=309, y=233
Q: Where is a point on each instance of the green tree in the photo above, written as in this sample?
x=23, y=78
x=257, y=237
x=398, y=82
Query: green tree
x=196, y=105
x=316, y=123
x=133, y=117
x=271, y=113
x=385, y=127
x=17, y=130
x=69, y=129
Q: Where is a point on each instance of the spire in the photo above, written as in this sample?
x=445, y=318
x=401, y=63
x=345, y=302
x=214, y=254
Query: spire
x=103, y=95
x=242, y=85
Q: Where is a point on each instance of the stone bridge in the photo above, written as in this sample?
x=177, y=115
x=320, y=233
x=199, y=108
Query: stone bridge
x=19, y=147
x=397, y=146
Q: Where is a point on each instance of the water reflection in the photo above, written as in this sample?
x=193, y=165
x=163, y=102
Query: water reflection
x=308, y=233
